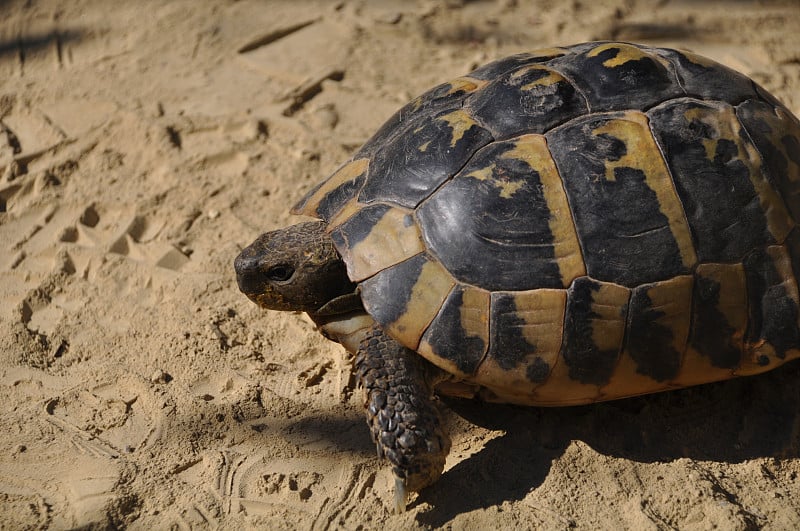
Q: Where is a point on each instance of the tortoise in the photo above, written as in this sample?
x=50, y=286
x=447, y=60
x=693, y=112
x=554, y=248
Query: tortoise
x=558, y=227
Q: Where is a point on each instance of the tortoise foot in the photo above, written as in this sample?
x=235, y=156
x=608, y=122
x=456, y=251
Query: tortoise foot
x=402, y=413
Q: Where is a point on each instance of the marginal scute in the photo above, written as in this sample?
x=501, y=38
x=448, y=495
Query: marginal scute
x=659, y=316
x=405, y=298
x=627, y=215
x=376, y=237
x=327, y=198
x=793, y=248
x=773, y=332
x=594, y=329
x=719, y=313
x=458, y=337
x=506, y=207
x=719, y=320
x=562, y=386
x=524, y=341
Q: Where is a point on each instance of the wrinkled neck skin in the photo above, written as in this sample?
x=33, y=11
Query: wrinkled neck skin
x=344, y=320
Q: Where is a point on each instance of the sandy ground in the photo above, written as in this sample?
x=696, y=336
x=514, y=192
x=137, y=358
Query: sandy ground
x=144, y=143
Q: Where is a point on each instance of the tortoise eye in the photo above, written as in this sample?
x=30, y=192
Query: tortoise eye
x=280, y=273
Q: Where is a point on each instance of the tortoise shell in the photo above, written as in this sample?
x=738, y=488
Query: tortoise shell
x=579, y=224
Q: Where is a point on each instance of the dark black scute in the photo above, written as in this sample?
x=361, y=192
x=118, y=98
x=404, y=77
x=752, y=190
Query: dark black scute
x=711, y=334
x=507, y=345
x=439, y=99
x=780, y=150
x=515, y=104
x=497, y=68
x=449, y=340
x=625, y=237
x=773, y=312
x=718, y=197
x=650, y=343
x=393, y=288
x=710, y=80
x=412, y=164
x=633, y=84
x=493, y=237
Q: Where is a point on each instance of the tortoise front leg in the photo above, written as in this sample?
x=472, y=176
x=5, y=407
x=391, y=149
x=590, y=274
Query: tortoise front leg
x=401, y=412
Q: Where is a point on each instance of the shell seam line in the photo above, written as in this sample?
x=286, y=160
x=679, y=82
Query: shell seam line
x=674, y=189
x=570, y=207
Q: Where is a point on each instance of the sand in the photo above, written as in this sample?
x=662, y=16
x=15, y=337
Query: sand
x=144, y=143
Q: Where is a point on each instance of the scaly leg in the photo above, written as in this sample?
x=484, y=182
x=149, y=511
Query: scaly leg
x=401, y=412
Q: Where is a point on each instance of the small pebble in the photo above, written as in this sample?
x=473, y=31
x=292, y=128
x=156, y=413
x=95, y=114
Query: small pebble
x=389, y=18
x=160, y=377
x=326, y=116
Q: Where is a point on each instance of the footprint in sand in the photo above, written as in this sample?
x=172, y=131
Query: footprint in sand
x=227, y=388
x=111, y=419
x=103, y=424
x=313, y=492
x=50, y=241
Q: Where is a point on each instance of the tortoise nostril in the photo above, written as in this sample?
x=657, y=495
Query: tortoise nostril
x=249, y=275
x=244, y=263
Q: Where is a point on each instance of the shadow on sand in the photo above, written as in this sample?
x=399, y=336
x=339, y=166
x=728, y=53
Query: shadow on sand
x=730, y=421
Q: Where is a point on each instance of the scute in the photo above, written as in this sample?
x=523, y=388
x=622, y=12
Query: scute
x=497, y=68
x=618, y=76
x=443, y=98
x=580, y=224
x=406, y=297
x=627, y=215
x=532, y=98
x=703, y=78
x=412, y=165
x=776, y=134
x=506, y=207
x=729, y=202
x=376, y=237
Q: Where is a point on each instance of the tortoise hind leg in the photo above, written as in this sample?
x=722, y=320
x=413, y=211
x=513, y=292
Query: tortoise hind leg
x=401, y=412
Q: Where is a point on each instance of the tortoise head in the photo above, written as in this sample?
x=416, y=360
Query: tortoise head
x=294, y=269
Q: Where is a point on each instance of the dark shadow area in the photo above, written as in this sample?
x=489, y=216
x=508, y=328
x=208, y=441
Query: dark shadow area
x=730, y=422
x=346, y=434
x=27, y=43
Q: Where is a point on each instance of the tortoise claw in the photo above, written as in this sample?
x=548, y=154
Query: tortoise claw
x=400, y=496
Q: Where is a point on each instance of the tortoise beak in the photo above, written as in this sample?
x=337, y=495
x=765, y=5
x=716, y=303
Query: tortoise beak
x=249, y=273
